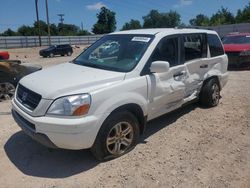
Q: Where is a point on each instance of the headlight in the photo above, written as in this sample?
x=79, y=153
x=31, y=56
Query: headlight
x=75, y=105
x=245, y=53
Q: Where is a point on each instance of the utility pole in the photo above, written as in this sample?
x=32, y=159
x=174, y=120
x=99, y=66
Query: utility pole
x=47, y=15
x=38, y=22
x=61, y=18
x=82, y=26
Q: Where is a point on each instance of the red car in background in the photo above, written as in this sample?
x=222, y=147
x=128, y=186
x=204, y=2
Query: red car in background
x=4, y=55
x=237, y=48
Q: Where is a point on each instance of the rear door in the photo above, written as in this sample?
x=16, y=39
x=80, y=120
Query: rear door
x=58, y=49
x=166, y=91
x=194, y=55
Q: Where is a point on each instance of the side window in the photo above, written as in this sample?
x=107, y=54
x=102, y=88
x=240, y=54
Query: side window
x=215, y=45
x=167, y=50
x=195, y=46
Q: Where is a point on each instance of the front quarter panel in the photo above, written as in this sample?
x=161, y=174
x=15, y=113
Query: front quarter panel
x=133, y=90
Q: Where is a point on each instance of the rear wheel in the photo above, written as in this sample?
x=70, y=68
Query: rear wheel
x=117, y=136
x=69, y=53
x=210, y=93
x=7, y=91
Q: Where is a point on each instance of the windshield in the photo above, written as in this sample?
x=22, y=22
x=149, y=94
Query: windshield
x=236, y=40
x=51, y=47
x=115, y=52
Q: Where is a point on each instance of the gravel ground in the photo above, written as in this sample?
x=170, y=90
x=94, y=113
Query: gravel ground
x=191, y=147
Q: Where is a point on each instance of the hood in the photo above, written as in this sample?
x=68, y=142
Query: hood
x=68, y=79
x=236, y=47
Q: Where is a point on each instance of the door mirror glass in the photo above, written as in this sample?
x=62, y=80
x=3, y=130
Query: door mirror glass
x=159, y=67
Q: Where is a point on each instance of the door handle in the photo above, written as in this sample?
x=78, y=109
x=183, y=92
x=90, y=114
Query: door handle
x=204, y=66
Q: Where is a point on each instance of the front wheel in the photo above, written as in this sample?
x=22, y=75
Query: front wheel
x=7, y=91
x=117, y=136
x=51, y=55
x=210, y=93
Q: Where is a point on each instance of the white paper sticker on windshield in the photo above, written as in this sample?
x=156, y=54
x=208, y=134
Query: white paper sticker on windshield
x=247, y=36
x=141, y=39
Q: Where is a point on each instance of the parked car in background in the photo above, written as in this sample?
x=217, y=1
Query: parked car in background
x=62, y=49
x=103, y=102
x=237, y=48
x=4, y=55
x=11, y=71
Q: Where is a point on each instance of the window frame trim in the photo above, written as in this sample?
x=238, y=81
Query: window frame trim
x=204, y=47
x=146, y=69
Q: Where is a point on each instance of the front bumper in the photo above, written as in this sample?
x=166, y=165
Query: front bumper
x=234, y=59
x=54, y=132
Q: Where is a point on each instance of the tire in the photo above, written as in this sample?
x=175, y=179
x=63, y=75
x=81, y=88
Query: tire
x=118, y=135
x=210, y=93
x=69, y=53
x=62, y=54
x=51, y=55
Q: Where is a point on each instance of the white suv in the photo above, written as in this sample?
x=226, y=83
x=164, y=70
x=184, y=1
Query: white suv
x=104, y=97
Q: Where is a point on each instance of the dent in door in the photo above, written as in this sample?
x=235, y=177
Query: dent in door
x=165, y=93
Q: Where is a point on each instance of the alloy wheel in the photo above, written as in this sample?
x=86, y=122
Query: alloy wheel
x=120, y=138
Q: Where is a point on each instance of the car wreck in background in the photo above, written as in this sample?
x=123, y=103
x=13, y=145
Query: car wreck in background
x=237, y=48
x=4, y=55
x=11, y=71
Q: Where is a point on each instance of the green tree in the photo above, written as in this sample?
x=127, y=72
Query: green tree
x=26, y=30
x=83, y=32
x=221, y=17
x=67, y=29
x=9, y=32
x=132, y=24
x=106, y=22
x=200, y=20
x=159, y=20
x=243, y=16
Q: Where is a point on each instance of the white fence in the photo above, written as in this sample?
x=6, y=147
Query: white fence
x=33, y=41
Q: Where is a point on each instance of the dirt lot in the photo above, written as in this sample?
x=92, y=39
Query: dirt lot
x=193, y=147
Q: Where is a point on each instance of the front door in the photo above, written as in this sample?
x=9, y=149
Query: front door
x=166, y=91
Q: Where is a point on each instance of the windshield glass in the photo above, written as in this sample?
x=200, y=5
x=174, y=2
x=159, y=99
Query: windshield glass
x=51, y=47
x=115, y=52
x=236, y=40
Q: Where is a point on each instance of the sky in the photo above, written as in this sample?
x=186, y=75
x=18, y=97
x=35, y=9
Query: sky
x=15, y=13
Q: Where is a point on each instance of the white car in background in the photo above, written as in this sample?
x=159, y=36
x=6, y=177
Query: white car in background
x=104, y=103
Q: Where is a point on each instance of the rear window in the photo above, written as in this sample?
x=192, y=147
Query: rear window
x=215, y=46
x=195, y=46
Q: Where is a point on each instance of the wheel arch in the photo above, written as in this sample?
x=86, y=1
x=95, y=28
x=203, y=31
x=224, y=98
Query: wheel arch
x=137, y=111
x=216, y=77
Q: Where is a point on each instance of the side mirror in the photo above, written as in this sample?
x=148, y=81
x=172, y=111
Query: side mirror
x=159, y=67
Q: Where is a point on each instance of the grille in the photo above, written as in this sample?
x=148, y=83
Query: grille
x=27, y=98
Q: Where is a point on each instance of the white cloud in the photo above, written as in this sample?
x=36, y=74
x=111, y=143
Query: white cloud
x=183, y=3
x=96, y=6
